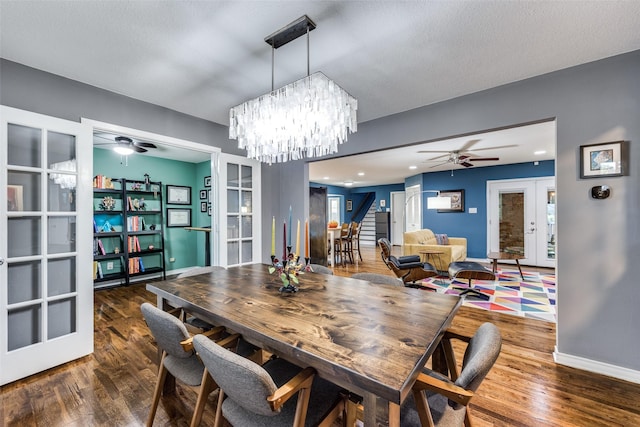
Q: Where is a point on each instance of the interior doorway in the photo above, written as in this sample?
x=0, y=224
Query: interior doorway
x=397, y=212
x=521, y=216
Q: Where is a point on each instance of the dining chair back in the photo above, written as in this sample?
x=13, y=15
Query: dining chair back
x=254, y=395
x=320, y=269
x=168, y=332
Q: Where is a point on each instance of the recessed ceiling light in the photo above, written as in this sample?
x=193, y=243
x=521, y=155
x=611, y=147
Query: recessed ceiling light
x=539, y=152
x=348, y=183
x=360, y=173
x=413, y=167
x=326, y=177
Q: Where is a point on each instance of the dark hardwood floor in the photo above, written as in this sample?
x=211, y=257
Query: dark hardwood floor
x=114, y=385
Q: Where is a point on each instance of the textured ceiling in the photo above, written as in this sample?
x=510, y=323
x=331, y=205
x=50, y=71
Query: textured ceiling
x=203, y=57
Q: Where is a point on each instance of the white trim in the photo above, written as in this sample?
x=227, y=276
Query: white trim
x=602, y=368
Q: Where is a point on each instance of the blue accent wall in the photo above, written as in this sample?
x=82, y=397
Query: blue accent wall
x=474, y=183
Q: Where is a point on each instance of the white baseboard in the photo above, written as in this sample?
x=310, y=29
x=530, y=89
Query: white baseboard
x=596, y=367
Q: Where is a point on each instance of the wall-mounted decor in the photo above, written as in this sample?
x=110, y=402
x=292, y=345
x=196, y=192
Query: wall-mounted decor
x=178, y=195
x=203, y=195
x=383, y=203
x=207, y=181
x=605, y=159
x=457, y=200
x=178, y=217
x=209, y=210
x=349, y=205
x=203, y=206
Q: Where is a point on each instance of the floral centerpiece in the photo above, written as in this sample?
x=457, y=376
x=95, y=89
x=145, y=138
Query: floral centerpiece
x=289, y=270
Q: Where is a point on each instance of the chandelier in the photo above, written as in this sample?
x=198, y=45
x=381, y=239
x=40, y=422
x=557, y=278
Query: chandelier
x=307, y=118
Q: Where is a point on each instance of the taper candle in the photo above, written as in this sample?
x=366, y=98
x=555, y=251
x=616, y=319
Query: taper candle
x=290, y=228
x=306, y=238
x=284, y=243
x=273, y=237
x=298, y=240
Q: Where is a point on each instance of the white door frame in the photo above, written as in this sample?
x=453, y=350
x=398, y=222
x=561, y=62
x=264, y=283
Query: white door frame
x=397, y=215
x=535, y=243
x=46, y=351
x=213, y=152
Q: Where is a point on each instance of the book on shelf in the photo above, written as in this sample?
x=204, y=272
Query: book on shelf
x=100, y=275
x=95, y=269
x=101, y=250
x=141, y=265
x=101, y=181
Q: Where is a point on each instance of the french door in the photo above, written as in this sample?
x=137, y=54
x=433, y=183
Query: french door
x=46, y=288
x=521, y=216
x=240, y=206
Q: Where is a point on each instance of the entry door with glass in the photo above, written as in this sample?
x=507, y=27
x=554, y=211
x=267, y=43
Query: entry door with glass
x=46, y=291
x=239, y=210
x=522, y=219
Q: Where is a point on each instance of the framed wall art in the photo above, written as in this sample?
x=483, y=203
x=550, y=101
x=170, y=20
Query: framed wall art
x=605, y=159
x=178, y=217
x=178, y=195
x=457, y=200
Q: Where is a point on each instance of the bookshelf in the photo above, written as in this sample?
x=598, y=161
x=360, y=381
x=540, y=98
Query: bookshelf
x=128, y=231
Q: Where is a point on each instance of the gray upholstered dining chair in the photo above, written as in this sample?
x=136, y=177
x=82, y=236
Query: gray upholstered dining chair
x=441, y=401
x=379, y=279
x=321, y=269
x=254, y=395
x=169, y=332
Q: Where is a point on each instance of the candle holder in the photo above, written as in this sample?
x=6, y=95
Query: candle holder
x=288, y=270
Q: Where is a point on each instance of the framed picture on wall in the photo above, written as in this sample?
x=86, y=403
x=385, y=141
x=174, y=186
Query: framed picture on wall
x=349, y=205
x=178, y=195
x=457, y=200
x=203, y=206
x=209, y=209
x=178, y=217
x=207, y=181
x=606, y=159
x=203, y=195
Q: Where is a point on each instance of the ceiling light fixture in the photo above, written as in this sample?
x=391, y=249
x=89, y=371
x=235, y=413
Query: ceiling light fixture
x=123, y=150
x=307, y=118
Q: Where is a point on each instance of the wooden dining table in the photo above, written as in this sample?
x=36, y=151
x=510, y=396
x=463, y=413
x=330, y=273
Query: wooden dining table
x=370, y=339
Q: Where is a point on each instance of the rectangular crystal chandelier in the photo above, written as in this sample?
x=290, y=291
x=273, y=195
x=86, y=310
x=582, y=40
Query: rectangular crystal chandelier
x=307, y=118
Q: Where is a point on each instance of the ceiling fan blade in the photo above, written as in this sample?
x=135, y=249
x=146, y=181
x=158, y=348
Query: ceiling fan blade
x=138, y=149
x=434, y=151
x=482, y=159
x=144, y=144
x=468, y=145
x=465, y=164
x=439, y=164
x=463, y=157
x=437, y=157
x=492, y=148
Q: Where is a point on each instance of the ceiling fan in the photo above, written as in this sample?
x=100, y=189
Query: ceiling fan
x=125, y=145
x=463, y=156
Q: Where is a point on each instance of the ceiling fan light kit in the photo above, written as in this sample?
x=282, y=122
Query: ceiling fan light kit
x=307, y=118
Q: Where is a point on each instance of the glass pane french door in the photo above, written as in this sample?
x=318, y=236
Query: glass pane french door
x=46, y=295
x=522, y=219
x=240, y=226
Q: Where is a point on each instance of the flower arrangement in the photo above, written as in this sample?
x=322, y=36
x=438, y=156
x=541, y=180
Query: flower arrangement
x=289, y=270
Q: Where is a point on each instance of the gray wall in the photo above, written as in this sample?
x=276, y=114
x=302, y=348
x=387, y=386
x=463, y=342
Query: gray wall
x=598, y=242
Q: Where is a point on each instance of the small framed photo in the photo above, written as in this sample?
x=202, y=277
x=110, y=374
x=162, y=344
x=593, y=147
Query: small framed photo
x=207, y=181
x=209, y=209
x=606, y=159
x=349, y=205
x=203, y=195
x=203, y=206
x=178, y=195
x=178, y=217
x=383, y=203
x=457, y=200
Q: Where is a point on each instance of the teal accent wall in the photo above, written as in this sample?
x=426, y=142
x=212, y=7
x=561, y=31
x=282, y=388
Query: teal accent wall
x=178, y=243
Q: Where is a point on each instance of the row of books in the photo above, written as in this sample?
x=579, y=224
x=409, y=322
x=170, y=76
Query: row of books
x=98, y=247
x=101, y=181
x=136, y=265
x=133, y=244
x=97, y=270
x=136, y=223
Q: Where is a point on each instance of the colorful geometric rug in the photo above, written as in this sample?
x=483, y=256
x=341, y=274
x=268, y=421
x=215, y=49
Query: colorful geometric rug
x=533, y=297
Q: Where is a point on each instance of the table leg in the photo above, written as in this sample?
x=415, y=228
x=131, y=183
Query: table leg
x=333, y=249
x=519, y=269
x=207, y=250
x=380, y=412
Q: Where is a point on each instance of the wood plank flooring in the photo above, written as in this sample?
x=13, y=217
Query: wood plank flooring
x=114, y=385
